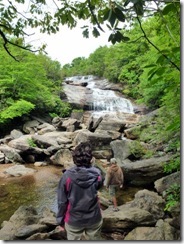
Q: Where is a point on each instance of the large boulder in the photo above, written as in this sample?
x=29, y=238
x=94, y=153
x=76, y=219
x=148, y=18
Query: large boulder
x=62, y=157
x=127, y=218
x=121, y=149
x=99, y=140
x=22, y=217
x=10, y=155
x=162, y=184
x=27, y=223
x=162, y=231
x=149, y=201
x=144, y=172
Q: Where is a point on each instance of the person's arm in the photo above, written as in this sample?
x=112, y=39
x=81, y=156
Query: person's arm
x=122, y=178
x=62, y=201
x=107, y=178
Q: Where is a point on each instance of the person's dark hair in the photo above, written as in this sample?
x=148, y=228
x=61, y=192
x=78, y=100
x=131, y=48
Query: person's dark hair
x=82, y=154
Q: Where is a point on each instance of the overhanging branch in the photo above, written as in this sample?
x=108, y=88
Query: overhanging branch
x=6, y=42
x=165, y=56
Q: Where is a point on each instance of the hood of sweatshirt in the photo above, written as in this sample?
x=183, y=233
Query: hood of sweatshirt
x=84, y=177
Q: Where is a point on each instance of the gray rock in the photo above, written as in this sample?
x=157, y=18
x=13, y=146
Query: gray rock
x=149, y=201
x=16, y=134
x=146, y=171
x=162, y=184
x=121, y=149
x=127, y=217
x=29, y=230
x=11, y=155
x=19, y=170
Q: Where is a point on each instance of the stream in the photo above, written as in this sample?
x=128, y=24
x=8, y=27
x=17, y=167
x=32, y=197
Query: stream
x=40, y=188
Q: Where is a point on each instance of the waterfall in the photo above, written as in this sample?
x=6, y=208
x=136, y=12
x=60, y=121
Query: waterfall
x=99, y=98
x=105, y=101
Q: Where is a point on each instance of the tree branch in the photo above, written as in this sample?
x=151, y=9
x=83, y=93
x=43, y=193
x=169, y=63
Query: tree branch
x=93, y=15
x=6, y=42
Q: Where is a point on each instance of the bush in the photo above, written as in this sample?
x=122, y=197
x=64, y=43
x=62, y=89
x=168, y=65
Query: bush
x=16, y=109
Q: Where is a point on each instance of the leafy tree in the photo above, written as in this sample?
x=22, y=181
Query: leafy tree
x=17, y=16
x=95, y=62
x=33, y=83
x=15, y=109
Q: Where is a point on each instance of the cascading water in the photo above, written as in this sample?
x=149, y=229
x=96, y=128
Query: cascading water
x=99, y=98
x=104, y=101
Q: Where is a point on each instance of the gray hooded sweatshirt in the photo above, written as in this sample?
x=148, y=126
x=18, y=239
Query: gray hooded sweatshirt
x=78, y=203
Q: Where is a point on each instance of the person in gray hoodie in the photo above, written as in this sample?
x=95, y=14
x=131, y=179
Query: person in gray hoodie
x=79, y=211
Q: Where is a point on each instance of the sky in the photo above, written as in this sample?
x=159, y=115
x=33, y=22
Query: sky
x=69, y=44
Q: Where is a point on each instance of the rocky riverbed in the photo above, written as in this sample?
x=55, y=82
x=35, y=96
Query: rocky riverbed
x=47, y=147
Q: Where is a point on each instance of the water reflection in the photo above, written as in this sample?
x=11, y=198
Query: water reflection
x=39, y=190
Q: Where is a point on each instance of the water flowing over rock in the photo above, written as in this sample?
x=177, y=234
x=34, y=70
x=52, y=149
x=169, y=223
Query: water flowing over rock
x=96, y=95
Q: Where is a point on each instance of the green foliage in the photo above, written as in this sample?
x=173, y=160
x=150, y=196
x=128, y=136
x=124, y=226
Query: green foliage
x=16, y=109
x=31, y=142
x=95, y=62
x=137, y=149
x=95, y=14
x=62, y=109
x=78, y=66
x=36, y=81
x=172, y=196
x=172, y=166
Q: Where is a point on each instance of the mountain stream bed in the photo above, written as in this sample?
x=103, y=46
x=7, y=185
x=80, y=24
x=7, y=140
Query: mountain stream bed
x=38, y=190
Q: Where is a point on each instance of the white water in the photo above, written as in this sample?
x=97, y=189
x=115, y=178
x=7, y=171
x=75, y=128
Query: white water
x=101, y=101
x=104, y=101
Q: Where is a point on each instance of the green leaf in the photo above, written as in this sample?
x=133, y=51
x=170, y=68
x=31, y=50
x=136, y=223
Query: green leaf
x=168, y=8
x=160, y=59
x=95, y=32
x=150, y=65
x=119, y=14
x=127, y=2
x=112, y=18
x=125, y=38
x=110, y=28
x=176, y=49
x=139, y=8
x=86, y=33
x=106, y=14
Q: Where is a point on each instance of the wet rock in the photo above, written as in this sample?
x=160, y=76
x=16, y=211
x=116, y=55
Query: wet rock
x=19, y=170
x=29, y=230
